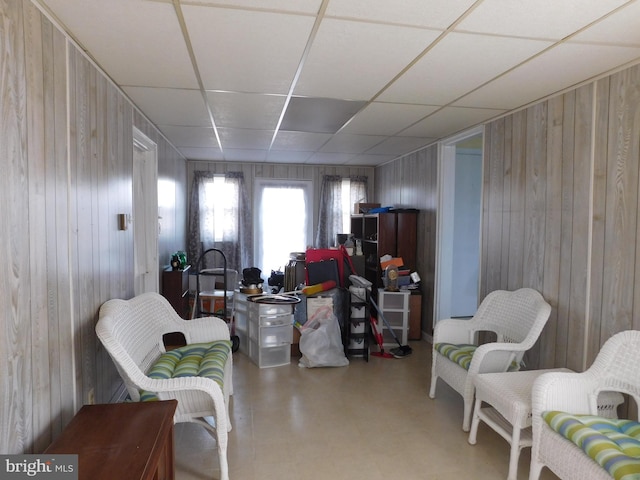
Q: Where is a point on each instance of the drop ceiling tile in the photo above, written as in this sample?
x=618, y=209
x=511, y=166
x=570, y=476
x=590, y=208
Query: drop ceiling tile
x=546, y=19
x=288, y=156
x=329, y=158
x=621, y=28
x=370, y=160
x=201, y=137
x=320, y=115
x=380, y=118
x=347, y=143
x=458, y=64
x=400, y=145
x=170, y=106
x=244, y=155
x=244, y=138
x=196, y=153
x=246, y=110
x=300, y=141
x=450, y=120
x=300, y=6
x=137, y=42
x=533, y=81
x=355, y=60
x=246, y=51
x=437, y=14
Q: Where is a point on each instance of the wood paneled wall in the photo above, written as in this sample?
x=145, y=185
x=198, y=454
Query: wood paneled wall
x=560, y=202
x=411, y=182
x=66, y=151
x=560, y=214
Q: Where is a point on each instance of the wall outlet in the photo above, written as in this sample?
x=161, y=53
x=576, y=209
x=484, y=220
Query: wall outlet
x=91, y=397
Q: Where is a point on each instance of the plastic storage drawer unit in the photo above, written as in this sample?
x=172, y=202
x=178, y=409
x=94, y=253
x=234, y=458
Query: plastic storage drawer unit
x=270, y=333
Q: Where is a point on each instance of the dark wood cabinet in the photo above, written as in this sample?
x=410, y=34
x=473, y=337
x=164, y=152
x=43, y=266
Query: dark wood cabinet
x=175, y=288
x=392, y=233
x=131, y=440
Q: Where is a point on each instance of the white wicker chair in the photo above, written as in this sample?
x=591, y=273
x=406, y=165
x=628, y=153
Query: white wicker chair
x=517, y=318
x=615, y=369
x=131, y=332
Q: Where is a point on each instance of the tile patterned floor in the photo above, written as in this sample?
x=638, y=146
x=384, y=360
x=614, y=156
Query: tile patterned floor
x=366, y=421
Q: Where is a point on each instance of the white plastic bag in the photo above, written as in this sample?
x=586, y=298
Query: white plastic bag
x=320, y=341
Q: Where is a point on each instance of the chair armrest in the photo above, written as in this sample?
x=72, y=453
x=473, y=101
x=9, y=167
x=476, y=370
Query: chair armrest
x=495, y=357
x=565, y=391
x=205, y=329
x=181, y=387
x=455, y=331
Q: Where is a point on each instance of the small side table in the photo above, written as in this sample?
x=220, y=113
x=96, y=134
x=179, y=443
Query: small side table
x=121, y=440
x=508, y=396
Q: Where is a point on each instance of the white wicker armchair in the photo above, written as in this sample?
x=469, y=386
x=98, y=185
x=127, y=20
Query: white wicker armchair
x=517, y=318
x=131, y=332
x=615, y=369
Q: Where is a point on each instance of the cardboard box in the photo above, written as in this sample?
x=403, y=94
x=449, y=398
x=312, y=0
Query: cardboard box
x=295, y=343
x=364, y=207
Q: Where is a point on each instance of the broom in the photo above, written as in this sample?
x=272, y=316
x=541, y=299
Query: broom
x=379, y=341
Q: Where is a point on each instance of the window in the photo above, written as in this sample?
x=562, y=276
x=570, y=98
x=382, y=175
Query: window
x=219, y=218
x=336, y=204
x=283, y=213
x=221, y=199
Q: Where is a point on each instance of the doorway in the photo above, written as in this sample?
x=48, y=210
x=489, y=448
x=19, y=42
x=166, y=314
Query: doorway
x=459, y=226
x=145, y=214
x=283, y=221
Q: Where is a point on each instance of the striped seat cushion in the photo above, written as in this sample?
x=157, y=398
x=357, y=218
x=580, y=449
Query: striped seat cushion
x=614, y=444
x=195, y=360
x=460, y=354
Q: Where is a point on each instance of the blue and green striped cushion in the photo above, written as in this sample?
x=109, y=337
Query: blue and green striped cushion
x=195, y=360
x=460, y=354
x=614, y=444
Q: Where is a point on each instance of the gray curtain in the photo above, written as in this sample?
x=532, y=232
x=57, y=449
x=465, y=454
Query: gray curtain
x=358, y=189
x=230, y=234
x=330, y=214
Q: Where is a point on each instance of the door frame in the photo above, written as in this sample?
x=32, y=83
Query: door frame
x=444, y=229
x=145, y=207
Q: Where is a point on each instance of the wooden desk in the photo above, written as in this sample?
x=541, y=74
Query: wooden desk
x=121, y=440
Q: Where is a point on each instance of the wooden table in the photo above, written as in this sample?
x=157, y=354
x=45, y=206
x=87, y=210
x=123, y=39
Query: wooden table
x=121, y=440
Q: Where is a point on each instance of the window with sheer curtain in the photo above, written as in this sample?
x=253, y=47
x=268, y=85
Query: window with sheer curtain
x=337, y=196
x=219, y=217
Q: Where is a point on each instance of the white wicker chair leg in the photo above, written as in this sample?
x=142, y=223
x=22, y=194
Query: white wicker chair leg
x=432, y=390
x=468, y=408
x=514, y=455
x=475, y=421
x=534, y=470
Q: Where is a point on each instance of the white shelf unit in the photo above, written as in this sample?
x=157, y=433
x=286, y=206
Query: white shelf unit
x=270, y=329
x=395, y=308
x=358, y=326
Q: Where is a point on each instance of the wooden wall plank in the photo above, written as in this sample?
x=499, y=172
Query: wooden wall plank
x=598, y=217
x=517, y=205
x=15, y=341
x=580, y=232
x=505, y=133
x=553, y=224
x=535, y=194
x=494, y=208
x=38, y=316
